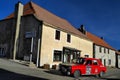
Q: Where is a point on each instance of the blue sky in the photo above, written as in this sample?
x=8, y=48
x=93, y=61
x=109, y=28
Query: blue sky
x=100, y=17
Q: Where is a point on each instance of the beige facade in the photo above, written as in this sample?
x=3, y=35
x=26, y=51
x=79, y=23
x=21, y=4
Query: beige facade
x=49, y=44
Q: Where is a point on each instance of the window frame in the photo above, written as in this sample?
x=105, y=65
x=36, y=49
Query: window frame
x=100, y=49
x=104, y=50
x=58, y=53
x=57, y=34
x=109, y=62
x=69, y=38
x=108, y=51
x=95, y=62
x=86, y=56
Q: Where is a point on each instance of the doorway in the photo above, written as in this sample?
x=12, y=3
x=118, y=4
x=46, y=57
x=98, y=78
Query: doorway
x=2, y=52
x=70, y=54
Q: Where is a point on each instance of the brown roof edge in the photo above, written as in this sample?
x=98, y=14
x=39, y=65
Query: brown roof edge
x=28, y=9
x=117, y=52
x=56, y=21
x=65, y=30
x=48, y=17
x=106, y=47
x=98, y=41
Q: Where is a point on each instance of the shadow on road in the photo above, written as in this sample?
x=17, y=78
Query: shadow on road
x=90, y=77
x=7, y=75
x=55, y=72
x=111, y=78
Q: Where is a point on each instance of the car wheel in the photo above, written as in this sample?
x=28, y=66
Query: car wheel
x=76, y=74
x=101, y=74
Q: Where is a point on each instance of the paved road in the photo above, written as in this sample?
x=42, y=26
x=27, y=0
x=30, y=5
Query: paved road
x=10, y=70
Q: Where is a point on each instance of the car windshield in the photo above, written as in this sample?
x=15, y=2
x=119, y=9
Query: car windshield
x=80, y=61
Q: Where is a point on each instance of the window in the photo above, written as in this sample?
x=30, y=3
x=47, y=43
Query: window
x=86, y=56
x=57, y=35
x=100, y=49
x=68, y=38
x=104, y=50
x=57, y=55
x=95, y=62
x=109, y=62
x=89, y=62
x=80, y=61
x=108, y=51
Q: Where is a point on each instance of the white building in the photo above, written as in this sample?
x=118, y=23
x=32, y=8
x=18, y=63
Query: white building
x=118, y=59
x=101, y=49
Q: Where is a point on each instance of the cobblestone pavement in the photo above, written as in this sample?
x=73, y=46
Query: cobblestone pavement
x=10, y=70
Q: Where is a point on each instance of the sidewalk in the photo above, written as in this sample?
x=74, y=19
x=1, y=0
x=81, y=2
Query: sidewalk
x=26, y=63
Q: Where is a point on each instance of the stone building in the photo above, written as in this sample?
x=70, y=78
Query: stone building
x=47, y=38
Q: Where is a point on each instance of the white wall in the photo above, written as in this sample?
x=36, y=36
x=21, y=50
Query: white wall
x=105, y=56
x=118, y=61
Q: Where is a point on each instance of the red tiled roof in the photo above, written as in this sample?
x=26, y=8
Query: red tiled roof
x=46, y=16
x=117, y=52
x=27, y=10
x=98, y=41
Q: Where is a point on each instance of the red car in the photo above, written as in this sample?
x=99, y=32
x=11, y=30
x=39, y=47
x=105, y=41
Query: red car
x=83, y=66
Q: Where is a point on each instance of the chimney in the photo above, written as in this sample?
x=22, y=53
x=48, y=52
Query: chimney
x=18, y=13
x=82, y=29
x=18, y=10
x=102, y=38
x=119, y=50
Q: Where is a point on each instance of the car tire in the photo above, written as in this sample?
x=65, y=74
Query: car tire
x=77, y=74
x=101, y=74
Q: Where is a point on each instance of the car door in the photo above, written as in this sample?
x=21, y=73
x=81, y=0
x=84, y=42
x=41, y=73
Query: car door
x=95, y=67
x=88, y=67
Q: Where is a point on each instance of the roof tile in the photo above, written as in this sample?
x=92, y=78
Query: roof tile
x=46, y=16
x=98, y=40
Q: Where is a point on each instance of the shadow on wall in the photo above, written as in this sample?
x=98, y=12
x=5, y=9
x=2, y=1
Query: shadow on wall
x=7, y=75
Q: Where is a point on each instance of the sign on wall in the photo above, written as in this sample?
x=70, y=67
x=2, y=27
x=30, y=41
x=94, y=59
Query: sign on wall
x=30, y=34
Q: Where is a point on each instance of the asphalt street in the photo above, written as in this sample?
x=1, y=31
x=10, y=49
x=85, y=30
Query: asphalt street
x=10, y=70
